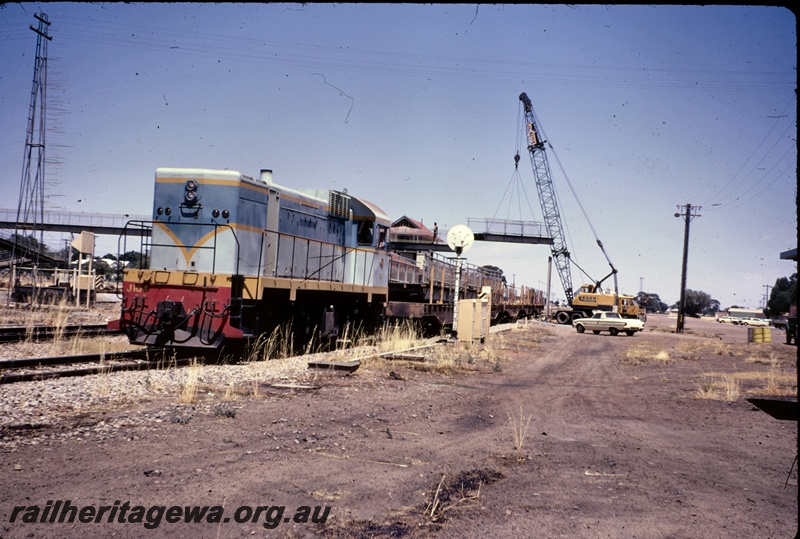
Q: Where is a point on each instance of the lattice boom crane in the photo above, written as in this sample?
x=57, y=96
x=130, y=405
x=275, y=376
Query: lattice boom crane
x=547, y=198
x=590, y=296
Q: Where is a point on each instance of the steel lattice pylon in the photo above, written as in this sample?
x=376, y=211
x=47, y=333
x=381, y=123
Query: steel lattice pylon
x=30, y=210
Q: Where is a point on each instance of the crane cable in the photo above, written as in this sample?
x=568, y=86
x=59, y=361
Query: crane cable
x=575, y=195
x=519, y=185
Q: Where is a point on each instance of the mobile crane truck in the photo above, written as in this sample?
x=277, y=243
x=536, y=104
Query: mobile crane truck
x=590, y=297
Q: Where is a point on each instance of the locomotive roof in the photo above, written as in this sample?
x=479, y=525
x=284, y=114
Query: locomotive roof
x=199, y=173
x=363, y=209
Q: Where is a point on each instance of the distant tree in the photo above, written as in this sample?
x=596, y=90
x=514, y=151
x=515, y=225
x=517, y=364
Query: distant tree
x=135, y=259
x=783, y=294
x=495, y=268
x=109, y=256
x=699, y=303
x=63, y=253
x=101, y=267
x=651, y=302
x=28, y=241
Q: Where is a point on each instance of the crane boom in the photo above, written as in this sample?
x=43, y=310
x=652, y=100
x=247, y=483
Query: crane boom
x=547, y=199
x=590, y=297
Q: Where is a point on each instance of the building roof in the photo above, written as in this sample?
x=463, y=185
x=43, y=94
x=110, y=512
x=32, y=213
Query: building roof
x=408, y=222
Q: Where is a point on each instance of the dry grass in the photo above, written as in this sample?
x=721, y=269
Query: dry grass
x=277, y=345
x=644, y=352
x=448, y=359
x=101, y=381
x=188, y=393
x=401, y=336
x=519, y=428
x=721, y=387
x=461, y=492
x=772, y=382
x=768, y=355
x=525, y=336
x=764, y=353
x=775, y=382
x=50, y=314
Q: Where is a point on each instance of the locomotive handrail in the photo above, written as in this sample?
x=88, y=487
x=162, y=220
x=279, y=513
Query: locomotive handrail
x=326, y=250
x=144, y=228
x=144, y=236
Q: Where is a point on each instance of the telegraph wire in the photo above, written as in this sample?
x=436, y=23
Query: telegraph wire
x=738, y=203
x=211, y=45
x=718, y=199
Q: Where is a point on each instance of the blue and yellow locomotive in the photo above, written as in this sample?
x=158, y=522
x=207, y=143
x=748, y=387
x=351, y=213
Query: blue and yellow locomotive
x=233, y=257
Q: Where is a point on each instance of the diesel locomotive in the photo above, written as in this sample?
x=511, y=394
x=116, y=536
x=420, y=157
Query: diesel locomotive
x=227, y=258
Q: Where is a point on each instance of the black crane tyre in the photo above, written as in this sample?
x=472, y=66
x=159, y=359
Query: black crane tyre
x=580, y=328
x=562, y=317
x=614, y=331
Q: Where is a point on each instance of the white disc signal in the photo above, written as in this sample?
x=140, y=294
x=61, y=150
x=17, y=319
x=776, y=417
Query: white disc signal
x=460, y=238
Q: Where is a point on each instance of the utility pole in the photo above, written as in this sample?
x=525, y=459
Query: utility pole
x=766, y=296
x=689, y=213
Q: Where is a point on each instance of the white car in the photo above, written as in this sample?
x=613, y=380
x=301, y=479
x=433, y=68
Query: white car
x=753, y=322
x=611, y=322
x=727, y=320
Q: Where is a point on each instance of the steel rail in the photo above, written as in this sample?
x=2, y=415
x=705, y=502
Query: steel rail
x=11, y=334
x=137, y=360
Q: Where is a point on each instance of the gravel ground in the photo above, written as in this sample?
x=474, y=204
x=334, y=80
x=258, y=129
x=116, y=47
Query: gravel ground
x=628, y=437
x=32, y=405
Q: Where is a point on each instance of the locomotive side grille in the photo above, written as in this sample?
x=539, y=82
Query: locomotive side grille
x=339, y=205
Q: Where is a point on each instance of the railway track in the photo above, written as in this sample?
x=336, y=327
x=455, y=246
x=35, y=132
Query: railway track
x=31, y=369
x=44, y=368
x=39, y=333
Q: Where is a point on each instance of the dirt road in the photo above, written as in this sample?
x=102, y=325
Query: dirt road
x=626, y=437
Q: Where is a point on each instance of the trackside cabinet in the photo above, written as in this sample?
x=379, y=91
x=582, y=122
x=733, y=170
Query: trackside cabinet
x=474, y=317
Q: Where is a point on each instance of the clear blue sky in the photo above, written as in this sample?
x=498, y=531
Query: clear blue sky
x=415, y=108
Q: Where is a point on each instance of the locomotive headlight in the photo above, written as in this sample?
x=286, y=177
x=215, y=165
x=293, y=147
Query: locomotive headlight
x=215, y=214
x=168, y=211
x=226, y=214
x=159, y=211
x=190, y=195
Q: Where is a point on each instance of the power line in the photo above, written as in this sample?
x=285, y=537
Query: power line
x=719, y=198
x=215, y=45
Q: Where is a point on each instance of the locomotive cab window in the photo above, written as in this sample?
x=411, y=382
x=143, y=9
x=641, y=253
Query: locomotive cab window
x=382, y=237
x=365, y=233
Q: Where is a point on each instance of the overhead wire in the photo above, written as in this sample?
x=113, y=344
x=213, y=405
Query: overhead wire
x=218, y=46
x=738, y=202
x=719, y=198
